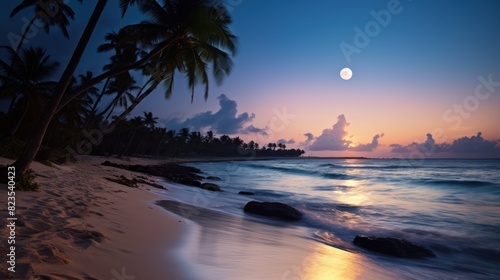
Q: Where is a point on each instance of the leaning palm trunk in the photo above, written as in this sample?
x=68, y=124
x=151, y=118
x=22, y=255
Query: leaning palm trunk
x=19, y=120
x=23, y=162
x=25, y=33
x=93, y=111
x=111, y=73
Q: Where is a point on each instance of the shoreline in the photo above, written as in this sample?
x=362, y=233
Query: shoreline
x=82, y=226
x=229, y=159
x=79, y=225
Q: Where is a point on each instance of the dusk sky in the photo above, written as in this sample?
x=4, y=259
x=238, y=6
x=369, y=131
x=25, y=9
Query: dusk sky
x=425, y=74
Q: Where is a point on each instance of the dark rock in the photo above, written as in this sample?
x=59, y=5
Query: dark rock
x=151, y=183
x=123, y=181
x=188, y=182
x=246, y=193
x=173, y=172
x=213, y=178
x=211, y=187
x=273, y=209
x=396, y=247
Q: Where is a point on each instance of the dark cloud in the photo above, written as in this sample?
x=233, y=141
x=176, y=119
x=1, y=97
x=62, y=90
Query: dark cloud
x=284, y=141
x=332, y=139
x=474, y=144
x=397, y=148
x=368, y=147
x=309, y=136
x=225, y=121
x=429, y=146
x=252, y=129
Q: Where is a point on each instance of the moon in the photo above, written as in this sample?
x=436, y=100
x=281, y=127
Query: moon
x=346, y=73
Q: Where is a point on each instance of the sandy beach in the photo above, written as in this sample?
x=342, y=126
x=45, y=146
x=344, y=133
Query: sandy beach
x=80, y=225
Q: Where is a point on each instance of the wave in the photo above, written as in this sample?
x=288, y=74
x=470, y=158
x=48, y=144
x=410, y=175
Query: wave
x=330, y=188
x=402, y=165
x=449, y=182
x=298, y=171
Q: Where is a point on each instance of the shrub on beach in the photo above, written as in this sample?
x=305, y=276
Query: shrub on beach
x=27, y=182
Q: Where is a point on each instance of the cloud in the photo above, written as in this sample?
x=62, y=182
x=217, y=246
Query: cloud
x=332, y=139
x=428, y=146
x=397, y=148
x=368, y=147
x=284, y=141
x=474, y=144
x=309, y=136
x=252, y=129
x=225, y=121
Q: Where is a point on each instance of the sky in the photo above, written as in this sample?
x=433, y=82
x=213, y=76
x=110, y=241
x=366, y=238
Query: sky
x=426, y=76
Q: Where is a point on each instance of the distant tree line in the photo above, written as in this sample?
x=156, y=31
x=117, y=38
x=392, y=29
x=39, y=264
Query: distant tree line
x=140, y=136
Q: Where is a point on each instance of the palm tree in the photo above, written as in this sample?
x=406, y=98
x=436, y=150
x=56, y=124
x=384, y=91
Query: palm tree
x=209, y=138
x=251, y=145
x=190, y=36
x=136, y=125
x=149, y=120
x=78, y=110
x=27, y=78
x=193, y=37
x=49, y=12
x=184, y=134
x=126, y=52
x=123, y=96
x=237, y=141
x=66, y=126
x=30, y=150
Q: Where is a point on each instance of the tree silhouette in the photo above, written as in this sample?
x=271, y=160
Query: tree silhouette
x=189, y=36
x=27, y=82
x=149, y=120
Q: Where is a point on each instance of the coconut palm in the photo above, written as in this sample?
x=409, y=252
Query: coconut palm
x=34, y=142
x=27, y=78
x=126, y=52
x=149, y=120
x=123, y=96
x=197, y=37
x=189, y=36
x=77, y=111
x=49, y=12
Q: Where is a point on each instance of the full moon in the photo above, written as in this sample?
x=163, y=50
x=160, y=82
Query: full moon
x=346, y=73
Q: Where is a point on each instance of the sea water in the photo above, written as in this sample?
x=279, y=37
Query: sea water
x=450, y=206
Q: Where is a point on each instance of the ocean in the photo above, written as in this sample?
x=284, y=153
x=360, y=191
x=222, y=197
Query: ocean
x=451, y=206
